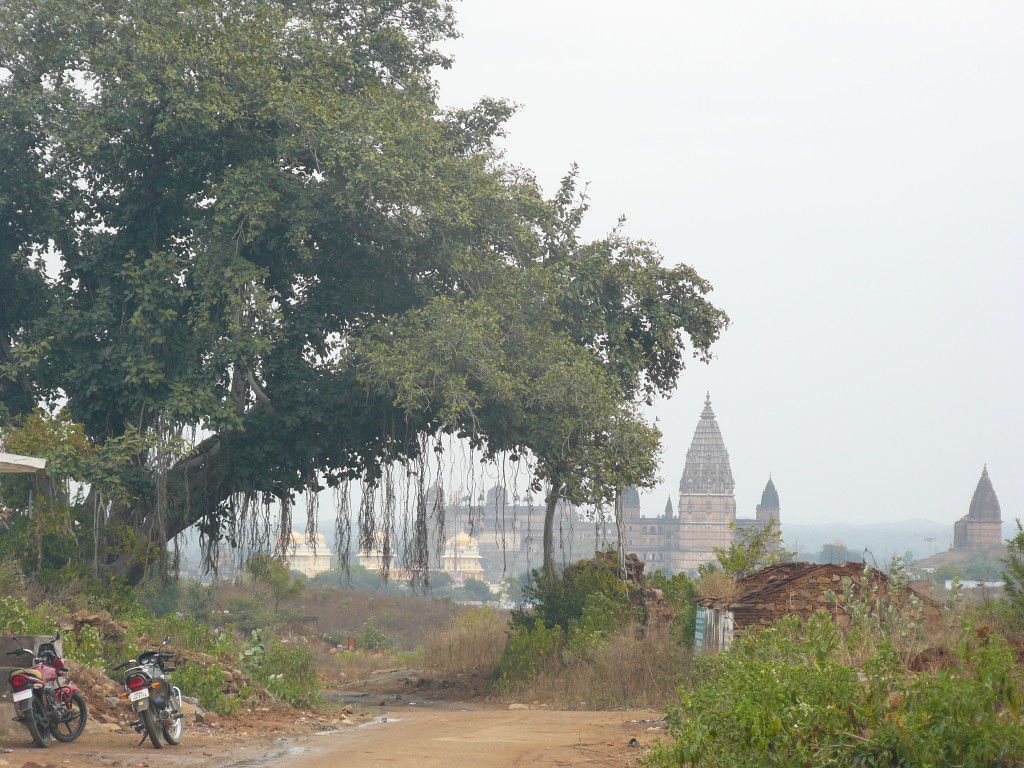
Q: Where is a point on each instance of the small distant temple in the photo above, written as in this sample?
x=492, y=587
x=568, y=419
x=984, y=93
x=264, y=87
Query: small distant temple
x=307, y=560
x=682, y=540
x=462, y=558
x=982, y=526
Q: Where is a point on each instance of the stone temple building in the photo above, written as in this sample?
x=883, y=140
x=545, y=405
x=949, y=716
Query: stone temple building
x=982, y=526
x=508, y=530
x=705, y=516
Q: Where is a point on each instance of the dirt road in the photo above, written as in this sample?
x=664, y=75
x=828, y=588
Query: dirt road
x=416, y=734
x=486, y=738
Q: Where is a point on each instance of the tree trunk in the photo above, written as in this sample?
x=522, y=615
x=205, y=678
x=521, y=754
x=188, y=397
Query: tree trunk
x=195, y=489
x=550, y=505
x=620, y=534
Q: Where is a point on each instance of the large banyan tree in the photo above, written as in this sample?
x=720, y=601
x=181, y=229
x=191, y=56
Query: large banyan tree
x=247, y=252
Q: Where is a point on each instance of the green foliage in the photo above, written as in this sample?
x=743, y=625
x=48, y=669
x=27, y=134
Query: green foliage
x=967, y=715
x=512, y=588
x=197, y=601
x=575, y=612
x=602, y=616
x=87, y=648
x=679, y=590
x=532, y=646
x=784, y=697
x=751, y=550
x=474, y=589
x=770, y=701
x=982, y=571
x=254, y=204
x=1013, y=575
x=287, y=670
x=204, y=683
x=561, y=600
x=274, y=573
x=17, y=616
x=247, y=614
x=373, y=638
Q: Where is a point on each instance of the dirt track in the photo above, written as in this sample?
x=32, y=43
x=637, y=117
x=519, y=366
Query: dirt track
x=420, y=735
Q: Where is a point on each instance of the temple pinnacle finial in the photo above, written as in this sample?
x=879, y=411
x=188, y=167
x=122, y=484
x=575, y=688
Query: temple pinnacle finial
x=708, y=413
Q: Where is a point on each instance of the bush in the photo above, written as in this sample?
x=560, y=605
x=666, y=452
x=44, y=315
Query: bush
x=528, y=650
x=204, y=683
x=287, y=670
x=967, y=715
x=559, y=601
x=372, y=638
x=16, y=616
x=784, y=697
x=87, y=648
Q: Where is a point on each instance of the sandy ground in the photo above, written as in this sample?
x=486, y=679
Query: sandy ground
x=396, y=733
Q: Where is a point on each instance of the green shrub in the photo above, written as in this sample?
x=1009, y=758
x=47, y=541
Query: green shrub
x=372, y=638
x=562, y=600
x=775, y=699
x=968, y=715
x=87, y=647
x=601, y=617
x=528, y=650
x=782, y=697
x=204, y=683
x=248, y=613
x=185, y=633
x=16, y=616
x=679, y=591
x=287, y=670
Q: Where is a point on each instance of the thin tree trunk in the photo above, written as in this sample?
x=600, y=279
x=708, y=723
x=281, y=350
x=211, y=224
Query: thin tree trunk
x=550, y=505
x=620, y=534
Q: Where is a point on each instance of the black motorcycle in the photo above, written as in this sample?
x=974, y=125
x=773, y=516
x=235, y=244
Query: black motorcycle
x=151, y=695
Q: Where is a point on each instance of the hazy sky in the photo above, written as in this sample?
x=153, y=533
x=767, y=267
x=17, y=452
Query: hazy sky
x=850, y=178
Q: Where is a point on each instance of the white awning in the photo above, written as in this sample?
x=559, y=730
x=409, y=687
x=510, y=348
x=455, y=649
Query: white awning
x=11, y=462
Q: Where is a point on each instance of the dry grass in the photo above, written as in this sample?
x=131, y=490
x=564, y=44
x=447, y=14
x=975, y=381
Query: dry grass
x=345, y=667
x=627, y=671
x=406, y=618
x=718, y=586
x=472, y=642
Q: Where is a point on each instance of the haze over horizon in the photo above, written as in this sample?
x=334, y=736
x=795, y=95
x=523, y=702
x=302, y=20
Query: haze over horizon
x=849, y=179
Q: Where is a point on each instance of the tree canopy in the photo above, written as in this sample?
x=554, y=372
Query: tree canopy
x=280, y=265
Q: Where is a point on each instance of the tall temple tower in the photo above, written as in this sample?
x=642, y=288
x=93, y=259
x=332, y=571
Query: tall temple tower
x=982, y=526
x=769, y=508
x=707, y=506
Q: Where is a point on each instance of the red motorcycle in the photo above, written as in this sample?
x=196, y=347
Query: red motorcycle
x=42, y=703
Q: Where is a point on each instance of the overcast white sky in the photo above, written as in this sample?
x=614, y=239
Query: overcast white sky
x=849, y=176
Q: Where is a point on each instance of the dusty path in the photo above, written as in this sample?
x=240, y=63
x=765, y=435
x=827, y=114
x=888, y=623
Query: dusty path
x=407, y=735
x=485, y=738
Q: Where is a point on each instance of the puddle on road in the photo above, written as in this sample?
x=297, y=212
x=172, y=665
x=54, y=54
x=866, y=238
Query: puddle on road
x=259, y=761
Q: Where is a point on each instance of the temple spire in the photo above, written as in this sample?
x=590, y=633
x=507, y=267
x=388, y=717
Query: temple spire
x=984, y=504
x=707, y=469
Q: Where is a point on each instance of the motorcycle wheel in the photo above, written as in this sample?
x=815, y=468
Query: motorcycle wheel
x=174, y=730
x=71, y=728
x=36, y=722
x=176, y=727
x=151, y=721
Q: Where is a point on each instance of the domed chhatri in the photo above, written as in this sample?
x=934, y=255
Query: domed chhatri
x=462, y=558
